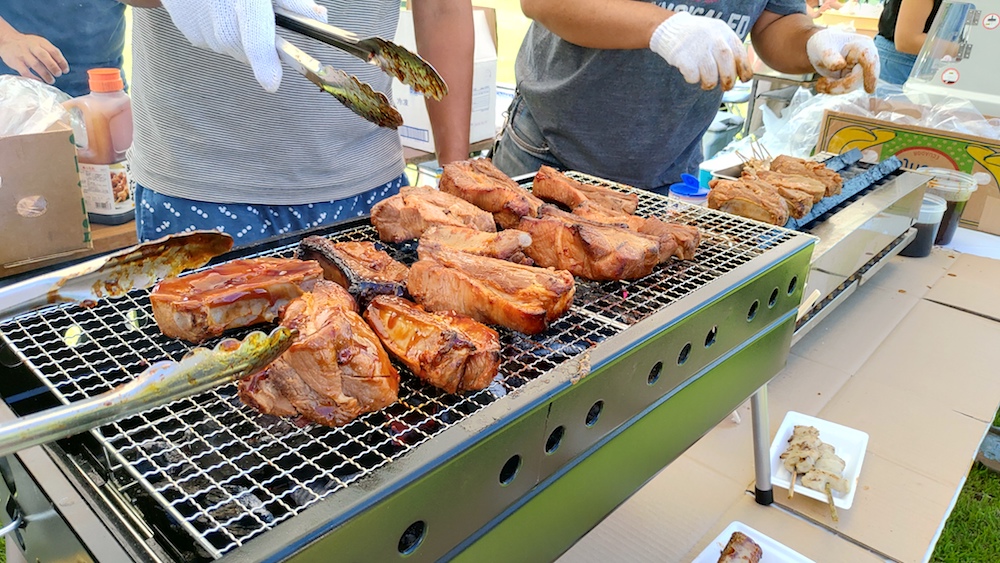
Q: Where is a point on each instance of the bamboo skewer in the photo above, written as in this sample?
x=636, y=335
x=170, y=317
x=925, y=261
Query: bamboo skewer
x=829, y=498
x=791, y=487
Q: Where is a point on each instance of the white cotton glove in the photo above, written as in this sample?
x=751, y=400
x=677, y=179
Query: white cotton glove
x=844, y=60
x=242, y=29
x=704, y=49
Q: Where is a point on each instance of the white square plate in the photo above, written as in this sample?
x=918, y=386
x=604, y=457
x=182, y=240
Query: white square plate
x=849, y=443
x=771, y=550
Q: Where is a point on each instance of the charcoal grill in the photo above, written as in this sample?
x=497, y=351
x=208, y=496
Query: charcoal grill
x=578, y=418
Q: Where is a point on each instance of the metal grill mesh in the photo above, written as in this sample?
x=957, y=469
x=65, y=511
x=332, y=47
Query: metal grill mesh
x=228, y=474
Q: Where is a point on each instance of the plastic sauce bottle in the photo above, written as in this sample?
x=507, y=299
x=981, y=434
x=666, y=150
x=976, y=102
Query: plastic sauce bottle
x=107, y=117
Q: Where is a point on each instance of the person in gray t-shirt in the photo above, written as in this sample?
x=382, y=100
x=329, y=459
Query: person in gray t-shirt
x=625, y=89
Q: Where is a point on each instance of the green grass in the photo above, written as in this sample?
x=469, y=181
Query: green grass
x=972, y=533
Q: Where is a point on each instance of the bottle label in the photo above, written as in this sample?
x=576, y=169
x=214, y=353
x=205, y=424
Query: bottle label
x=106, y=188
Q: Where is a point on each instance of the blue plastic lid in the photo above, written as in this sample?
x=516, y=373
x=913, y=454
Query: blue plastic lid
x=690, y=187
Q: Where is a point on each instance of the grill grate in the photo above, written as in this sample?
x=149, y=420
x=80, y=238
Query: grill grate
x=227, y=474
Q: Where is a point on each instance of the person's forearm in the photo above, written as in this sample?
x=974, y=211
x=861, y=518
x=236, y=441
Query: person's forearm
x=599, y=24
x=780, y=41
x=445, y=38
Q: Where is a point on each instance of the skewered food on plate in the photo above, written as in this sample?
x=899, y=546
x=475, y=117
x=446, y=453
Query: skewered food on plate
x=235, y=294
x=748, y=198
x=335, y=371
x=497, y=292
x=413, y=210
x=741, y=549
x=508, y=244
x=361, y=268
x=810, y=169
x=482, y=184
x=551, y=185
x=821, y=468
x=450, y=351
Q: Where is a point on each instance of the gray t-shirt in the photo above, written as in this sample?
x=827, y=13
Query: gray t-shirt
x=626, y=115
x=204, y=129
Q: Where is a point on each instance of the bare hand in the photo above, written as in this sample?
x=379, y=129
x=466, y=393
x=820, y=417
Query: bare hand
x=33, y=57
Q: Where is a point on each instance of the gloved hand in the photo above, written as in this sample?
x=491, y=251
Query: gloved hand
x=242, y=29
x=844, y=60
x=704, y=49
x=33, y=56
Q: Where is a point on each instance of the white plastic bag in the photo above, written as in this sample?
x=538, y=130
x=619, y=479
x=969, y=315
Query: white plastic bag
x=29, y=106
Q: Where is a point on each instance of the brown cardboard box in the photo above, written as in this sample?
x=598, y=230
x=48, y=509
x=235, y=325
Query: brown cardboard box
x=41, y=204
x=921, y=146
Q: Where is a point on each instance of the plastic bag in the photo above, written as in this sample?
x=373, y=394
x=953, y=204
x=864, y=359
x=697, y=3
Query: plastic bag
x=29, y=106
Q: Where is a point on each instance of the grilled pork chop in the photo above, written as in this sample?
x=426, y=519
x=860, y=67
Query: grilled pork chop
x=335, y=371
x=479, y=182
x=811, y=186
x=522, y=298
x=748, y=198
x=551, y=185
x=675, y=239
x=359, y=267
x=413, y=210
x=447, y=350
x=235, y=294
x=508, y=244
x=810, y=169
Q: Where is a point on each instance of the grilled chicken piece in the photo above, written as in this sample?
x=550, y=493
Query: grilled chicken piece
x=817, y=479
x=522, y=298
x=799, y=203
x=231, y=295
x=508, y=244
x=741, y=549
x=361, y=268
x=479, y=182
x=335, y=371
x=811, y=186
x=450, y=351
x=592, y=250
x=413, y=210
x=551, y=185
x=810, y=169
x=748, y=198
x=675, y=240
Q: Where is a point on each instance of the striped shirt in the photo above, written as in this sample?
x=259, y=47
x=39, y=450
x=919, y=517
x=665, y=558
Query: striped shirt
x=205, y=130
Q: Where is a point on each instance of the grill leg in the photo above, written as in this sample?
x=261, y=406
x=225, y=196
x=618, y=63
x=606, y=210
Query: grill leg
x=761, y=447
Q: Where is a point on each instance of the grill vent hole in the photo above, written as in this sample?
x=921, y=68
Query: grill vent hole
x=654, y=373
x=773, y=300
x=412, y=537
x=710, y=337
x=555, y=438
x=683, y=356
x=509, y=470
x=792, y=284
x=594, y=413
x=753, y=310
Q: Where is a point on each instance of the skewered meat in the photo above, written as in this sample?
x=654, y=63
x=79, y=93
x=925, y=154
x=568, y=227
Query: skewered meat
x=748, y=198
x=675, y=240
x=447, y=350
x=482, y=184
x=522, y=298
x=810, y=169
x=551, y=185
x=508, y=244
x=741, y=549
x=803, y=450
x=413, y=210
x=359, y=267
x=589, y=249
x=817, y=480
x=235, y=294
x=811, y=186
x=829, y=461
x=335, y=371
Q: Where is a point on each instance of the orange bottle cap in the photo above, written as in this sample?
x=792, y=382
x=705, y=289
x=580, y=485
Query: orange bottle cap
x=105, y=80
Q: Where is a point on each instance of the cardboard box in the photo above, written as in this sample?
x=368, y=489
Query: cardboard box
x=416, y=129
x=921, y=146
x=41, y=203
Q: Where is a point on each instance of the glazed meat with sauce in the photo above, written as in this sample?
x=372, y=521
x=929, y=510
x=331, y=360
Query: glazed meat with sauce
x=497, y=292
x=482, y=184
x=508, y=244
x=450, y=351
x=551, y=185
x=361, y=268
x=741, y=549
x=748, y=198
x=231, y=295
x=675, y=239
x=413, y=210
x=336, y=369
x=811, y=186
x=810, y=169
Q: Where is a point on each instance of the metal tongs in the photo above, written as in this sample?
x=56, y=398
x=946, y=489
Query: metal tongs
x=394, y=60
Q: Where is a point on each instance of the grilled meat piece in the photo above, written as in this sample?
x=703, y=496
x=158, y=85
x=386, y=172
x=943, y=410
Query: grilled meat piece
x=741, y=549
x=508, y=244
x=675, y=239
x=748, y=198
x=479, y=182
x=413, y=210
x=447, y=350
x=335, y=371
x=589, y=249
x=799, y=203
x=361, y=268
x=551, y=185
x=231, y=295
x=811, y=186
x=522, y=298
x=810, y=169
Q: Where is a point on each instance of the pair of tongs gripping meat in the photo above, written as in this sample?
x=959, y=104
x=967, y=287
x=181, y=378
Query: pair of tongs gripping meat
x=394, y=60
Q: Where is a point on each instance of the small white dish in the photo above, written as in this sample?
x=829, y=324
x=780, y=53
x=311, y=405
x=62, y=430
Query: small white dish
x=772, y=551
x=850, y=445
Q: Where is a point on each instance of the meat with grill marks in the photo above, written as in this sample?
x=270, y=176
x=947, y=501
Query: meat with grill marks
x=554, y=186
x=482, y=184
x=508, y=244
x=675, y=239
x=811, y=186
x=492, y=291
x=748, y=198
x=336, y=369
x=450, y=351
x=810, y=169
x=413, y=210
x=741, y=549
x=360, y=267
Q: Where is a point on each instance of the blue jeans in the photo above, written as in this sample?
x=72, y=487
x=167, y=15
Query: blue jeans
x=895, y=66
x=158, y=215
x=521, y=147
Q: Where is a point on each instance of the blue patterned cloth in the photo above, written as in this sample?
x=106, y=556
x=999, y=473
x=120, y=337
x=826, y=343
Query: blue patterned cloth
x=157, y=215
